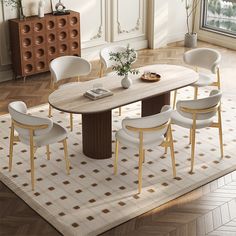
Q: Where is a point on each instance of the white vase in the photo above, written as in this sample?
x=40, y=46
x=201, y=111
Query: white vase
x=126, y=82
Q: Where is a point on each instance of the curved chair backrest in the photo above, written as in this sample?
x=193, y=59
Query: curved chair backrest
x=203, y=57
x=18, y=112
x=153, y=121
x=205, y=108
x=105, y=55
x=69, y=66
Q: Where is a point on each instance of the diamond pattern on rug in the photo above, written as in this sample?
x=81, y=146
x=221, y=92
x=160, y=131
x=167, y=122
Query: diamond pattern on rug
x=91, y=199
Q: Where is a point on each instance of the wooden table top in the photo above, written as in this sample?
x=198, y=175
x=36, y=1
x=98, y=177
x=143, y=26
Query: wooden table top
x=70, y=98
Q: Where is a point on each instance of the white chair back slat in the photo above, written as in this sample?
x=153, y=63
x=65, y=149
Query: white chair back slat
x=199, y=104
x=18, y=112
x=204, y=58
x=69, y=66
x=149, y=122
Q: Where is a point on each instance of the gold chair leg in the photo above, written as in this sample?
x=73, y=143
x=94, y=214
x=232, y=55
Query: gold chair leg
x=119, y=111
x=48, y=152
x=220, y=133
x=166, y=145
x=50, y=111
x=11, y=147
x=140, y=167
x=190, y=135
x=218, y=78
x=116, y=157
x=71, y=122
x=166, y=149
x=192, y=148
x=66, y=156
x=32, y=159
x=172, y=153
x=175, y=97
x=195, y=92
x=140, y=170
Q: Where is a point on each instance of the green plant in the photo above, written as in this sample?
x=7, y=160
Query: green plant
x=191, y=9
x=123, y=61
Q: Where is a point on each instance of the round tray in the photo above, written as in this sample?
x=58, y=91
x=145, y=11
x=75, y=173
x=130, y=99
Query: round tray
x=150, y=77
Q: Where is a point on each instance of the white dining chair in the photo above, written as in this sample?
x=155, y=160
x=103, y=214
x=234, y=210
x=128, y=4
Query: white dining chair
x=203, y=58
x=199, y=114
x=106, y=63
x=35, y=132
x=142, y=132
x=65, y=67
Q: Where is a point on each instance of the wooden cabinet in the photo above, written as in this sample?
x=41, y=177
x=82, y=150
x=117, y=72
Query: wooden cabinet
x=36, y=41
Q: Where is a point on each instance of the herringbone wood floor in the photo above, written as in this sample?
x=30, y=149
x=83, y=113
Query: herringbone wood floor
x=209, y=210
x=212, y=216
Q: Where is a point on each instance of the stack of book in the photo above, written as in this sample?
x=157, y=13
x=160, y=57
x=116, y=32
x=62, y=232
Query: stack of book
x=97, y=93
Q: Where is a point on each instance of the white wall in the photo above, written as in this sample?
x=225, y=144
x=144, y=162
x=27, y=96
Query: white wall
x=176, y=21
x=169, y=22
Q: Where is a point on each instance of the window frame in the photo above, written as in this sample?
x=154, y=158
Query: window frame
x=203, y=26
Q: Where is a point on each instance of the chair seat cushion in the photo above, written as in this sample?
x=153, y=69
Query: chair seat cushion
x=204, y=80
x=56, y=134
x=132, y=141
x=178, y=119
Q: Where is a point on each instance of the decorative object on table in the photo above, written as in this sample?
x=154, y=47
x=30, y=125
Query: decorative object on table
x=18, y=5
x=122, y=66
x=150, y=77
x=97, y=93
x=60, y=9
x=41, y=8
x=106, y=63
x=190, y=39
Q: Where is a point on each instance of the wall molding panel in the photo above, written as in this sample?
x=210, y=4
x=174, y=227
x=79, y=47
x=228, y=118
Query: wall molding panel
x=97, y=25
x=99, y=33
x=129, y=19
x=136, y=28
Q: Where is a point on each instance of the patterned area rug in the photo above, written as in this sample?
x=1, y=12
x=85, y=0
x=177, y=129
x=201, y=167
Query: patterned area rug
x=92, y=200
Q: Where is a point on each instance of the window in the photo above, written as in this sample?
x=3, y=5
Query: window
x=220, y=16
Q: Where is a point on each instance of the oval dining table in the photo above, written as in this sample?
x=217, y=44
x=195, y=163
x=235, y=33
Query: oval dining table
x=97, y=114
